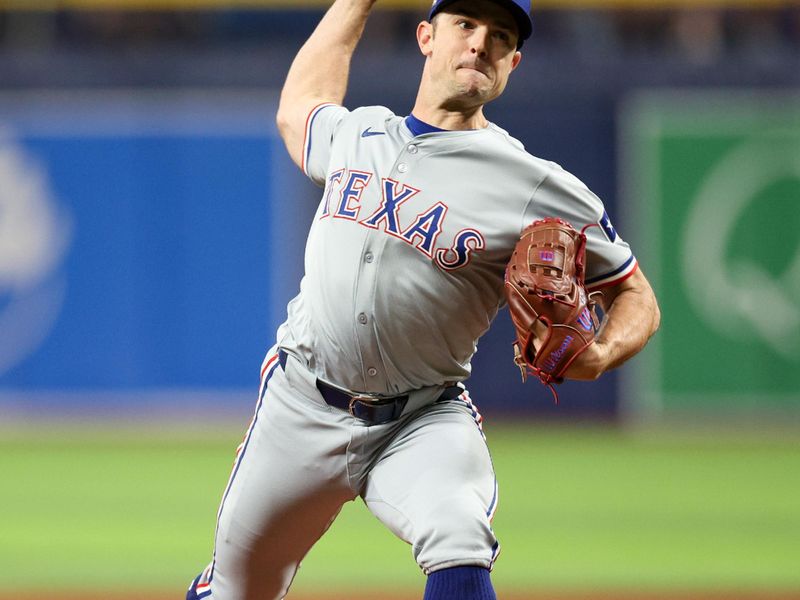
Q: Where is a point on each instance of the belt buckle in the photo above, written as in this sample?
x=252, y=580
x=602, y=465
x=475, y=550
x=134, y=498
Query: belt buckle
x=360, y=398
x=370, y=401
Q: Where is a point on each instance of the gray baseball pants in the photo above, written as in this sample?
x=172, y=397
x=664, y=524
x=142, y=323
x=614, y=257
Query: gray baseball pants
x=427, y=476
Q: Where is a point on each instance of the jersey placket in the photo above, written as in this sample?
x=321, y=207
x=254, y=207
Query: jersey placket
x=371, y=372
x=372, y=364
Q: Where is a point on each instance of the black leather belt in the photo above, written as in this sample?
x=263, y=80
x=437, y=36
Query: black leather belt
x=374, y=410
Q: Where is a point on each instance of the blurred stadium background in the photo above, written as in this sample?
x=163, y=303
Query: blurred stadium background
x=151, y=233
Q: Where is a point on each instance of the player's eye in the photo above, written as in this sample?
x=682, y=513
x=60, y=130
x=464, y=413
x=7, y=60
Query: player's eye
x=464, y=24
x=503, y=36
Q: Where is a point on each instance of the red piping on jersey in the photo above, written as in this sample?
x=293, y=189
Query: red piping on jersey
x=306, y=133
x=615, y=281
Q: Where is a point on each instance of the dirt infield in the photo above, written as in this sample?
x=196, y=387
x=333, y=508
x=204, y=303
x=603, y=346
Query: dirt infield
x=540, y=595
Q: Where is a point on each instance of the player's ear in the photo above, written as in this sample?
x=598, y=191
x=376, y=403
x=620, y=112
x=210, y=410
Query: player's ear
x=425, y=38
x=516, y=60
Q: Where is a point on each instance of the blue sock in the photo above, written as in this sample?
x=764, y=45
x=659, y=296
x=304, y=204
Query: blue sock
x=460, y=583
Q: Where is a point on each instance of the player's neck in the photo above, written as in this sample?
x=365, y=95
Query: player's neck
x=449, y=119
x=447, y=114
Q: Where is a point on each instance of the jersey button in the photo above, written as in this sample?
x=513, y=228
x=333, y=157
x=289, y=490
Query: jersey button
x=362, y=318
x=402, y=167
x=412, y=149
x=369, y=257
x=372, y=371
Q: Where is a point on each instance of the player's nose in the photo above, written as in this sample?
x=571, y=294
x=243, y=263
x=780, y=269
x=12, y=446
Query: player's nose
x=479, y=40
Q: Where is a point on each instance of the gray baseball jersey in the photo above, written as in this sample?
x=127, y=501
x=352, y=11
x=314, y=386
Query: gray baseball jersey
x=405, y=259
x=404, y=273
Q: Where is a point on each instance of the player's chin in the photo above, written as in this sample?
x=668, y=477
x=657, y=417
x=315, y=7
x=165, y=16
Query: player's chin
x=482, y=96
x=474, y=91
x=470, y=79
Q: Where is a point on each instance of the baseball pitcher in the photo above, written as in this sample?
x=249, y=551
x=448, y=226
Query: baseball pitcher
x=363, y=393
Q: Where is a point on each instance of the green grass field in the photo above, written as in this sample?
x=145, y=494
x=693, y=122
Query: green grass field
x=580, y=508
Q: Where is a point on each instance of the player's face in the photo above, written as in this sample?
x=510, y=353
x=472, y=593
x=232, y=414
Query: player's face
x=472, y=50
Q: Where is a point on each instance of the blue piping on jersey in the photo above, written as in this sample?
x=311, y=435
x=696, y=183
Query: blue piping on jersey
x=614, y=272
x=418, y=127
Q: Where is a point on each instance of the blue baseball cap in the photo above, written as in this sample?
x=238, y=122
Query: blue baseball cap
x=520, y=9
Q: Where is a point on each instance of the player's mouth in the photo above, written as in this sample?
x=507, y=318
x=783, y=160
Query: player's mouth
x=474, y=67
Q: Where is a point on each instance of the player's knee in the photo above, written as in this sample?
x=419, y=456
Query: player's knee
x=457, y=531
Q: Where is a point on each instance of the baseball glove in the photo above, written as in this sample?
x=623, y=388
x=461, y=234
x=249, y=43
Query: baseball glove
x=553, y=315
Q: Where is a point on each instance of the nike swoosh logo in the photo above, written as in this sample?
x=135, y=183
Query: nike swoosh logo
x=368, y=133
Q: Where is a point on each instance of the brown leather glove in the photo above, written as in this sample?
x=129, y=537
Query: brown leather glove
x=544, y=287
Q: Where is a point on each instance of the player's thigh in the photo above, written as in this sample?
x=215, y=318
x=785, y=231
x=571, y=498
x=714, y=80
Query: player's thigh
x=288, y=483
x=434, y=486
